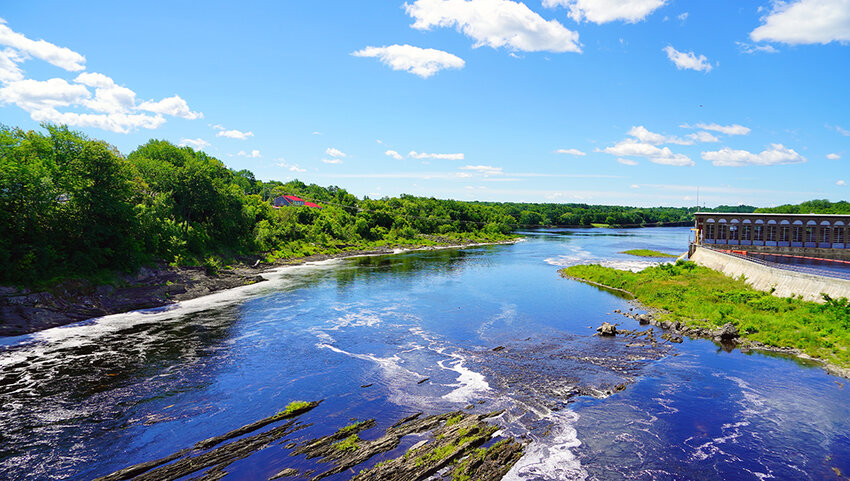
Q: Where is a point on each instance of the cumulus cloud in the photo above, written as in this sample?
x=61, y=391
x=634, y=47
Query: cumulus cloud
x=332, y=161
x=174, y=106
x=335, y=152
x=776, y=154
x=196, y=144
x=570, y=152
x=423, y=155
x=604, y=11
x=733, y=129
x=702, y=136
x=496, y=24
x=112, y=107
x=61, y=57
x=652, y=153
x=393, y=154
x=483, y=169
x=641, y=133
x=833, y=156
x=423, y=62
x=841, y=182
x=233, y=134
x=806, y=22
x=627, y=161
x=687, y=61
x=254, y=154
x=36, y=95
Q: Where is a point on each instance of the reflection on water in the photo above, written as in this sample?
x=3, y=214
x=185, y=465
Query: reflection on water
x=489, y=327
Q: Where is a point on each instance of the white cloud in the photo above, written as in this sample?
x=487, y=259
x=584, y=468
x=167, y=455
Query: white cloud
x=217, y=126
x=641, y=133
x=423, y=155
x=627, y=161
x=121, y=123
x=841, y=182
x=335, y=152
x=687, y=61
x=635, y=148
x=196, y=144
x=495, y=23
x=174, y=106
x=840, y=130
x=682, y=17
x=332, y=161
x=291, y=167
x=702, y=136
x=61, y=57
x=634, y=186
x=35, y=95
x=733, y=129
x=751, y=49
x=393, y=154
x=255, y=154
x=833, y=156
x=316, y=132
x=483, y=169
x=423, y=62
x=233, y=134
x=806, y=22
x=604, y=11
x=777, y=154
x=9, y=70
x=570, y=152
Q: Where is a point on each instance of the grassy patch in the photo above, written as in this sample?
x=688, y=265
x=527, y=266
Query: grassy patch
x=292, y=407
x=348, y=444
x=701, y=297
x=646, y=253
x=351, y=427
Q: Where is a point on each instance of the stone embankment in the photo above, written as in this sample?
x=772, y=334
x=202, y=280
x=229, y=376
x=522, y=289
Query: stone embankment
x=779, y=282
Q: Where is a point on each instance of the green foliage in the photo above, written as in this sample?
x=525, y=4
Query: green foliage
x=817, y=206
x=348, y=444
x=646, y=253
x=702, y=297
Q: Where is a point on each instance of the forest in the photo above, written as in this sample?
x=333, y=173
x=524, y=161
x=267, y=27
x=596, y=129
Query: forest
x=72, y=206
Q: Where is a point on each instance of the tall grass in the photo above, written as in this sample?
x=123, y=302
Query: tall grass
x=700, y=297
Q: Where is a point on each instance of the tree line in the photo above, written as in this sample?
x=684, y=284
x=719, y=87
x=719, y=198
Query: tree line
x=72, y=206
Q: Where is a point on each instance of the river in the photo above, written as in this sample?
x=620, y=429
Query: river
x=84, y=400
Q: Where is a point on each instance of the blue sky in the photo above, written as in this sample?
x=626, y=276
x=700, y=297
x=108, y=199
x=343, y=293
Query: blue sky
x=636, y=102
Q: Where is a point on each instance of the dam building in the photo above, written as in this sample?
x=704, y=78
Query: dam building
x=806, y=235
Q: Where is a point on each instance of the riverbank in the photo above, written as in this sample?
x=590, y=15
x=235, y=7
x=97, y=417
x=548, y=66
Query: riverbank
x=24, y=311
x=701, y=303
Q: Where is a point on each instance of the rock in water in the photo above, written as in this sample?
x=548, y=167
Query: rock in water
x=725, y=333
x=607, y=329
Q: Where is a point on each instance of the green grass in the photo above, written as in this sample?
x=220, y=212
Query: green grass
x=700, y=297
x=351, y=427
x=348, y=444
x=292, y=407
x=646, y=253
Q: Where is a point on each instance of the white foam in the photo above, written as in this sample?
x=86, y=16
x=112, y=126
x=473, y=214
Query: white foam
x=44, y=343
x=551, y=458
x=470, y=384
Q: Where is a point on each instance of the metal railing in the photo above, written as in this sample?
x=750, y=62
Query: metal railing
x=779, y=265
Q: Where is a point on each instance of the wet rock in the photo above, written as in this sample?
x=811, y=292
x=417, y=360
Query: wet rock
x=286, y=473
x=670, y=337
x=423, y=380
x=469, y=406
x=607, y=329
x=366, y=385
x=498, y=348
x=643, y=318
x=725, y=333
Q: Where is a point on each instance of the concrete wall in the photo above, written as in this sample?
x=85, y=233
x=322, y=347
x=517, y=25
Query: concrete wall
x=786, y=283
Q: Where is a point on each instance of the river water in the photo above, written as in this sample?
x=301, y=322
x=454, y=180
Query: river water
x=85, y=400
